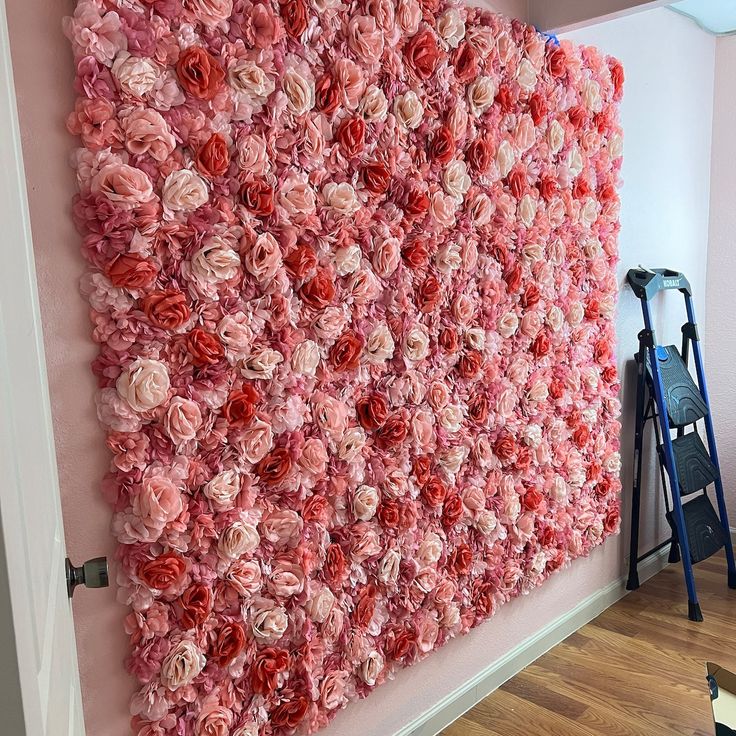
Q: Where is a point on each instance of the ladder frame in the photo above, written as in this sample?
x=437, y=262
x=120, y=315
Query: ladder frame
x=647, y=283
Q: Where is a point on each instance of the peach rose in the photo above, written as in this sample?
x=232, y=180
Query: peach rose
x=136, y=76
x=263, y=259
x=386, y=257
x=481, y=94
x=409, y=110
x=210, y=13
x=144, y=385
x=299, y=92
x=296, y=195
x=305, y=358
x=215, y=262
x=183, y=419
x=182, y=665
x=223, y=489
x=379, y=346
x=374, y=105
x=313, y=457
x=238, y=539
x=147, y=132
x=156, y=504
x=269, y=623
x=184, y=190
x=213, y=720
x=256, y=440
x=451, y=27
x=124, y=185
x=341, y=198
x=365, y=502
x=252, y=154
x=365, y=38
x=456, y=180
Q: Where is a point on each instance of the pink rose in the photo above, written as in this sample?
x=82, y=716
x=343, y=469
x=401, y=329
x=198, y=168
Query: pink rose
x=256, y=440
x=263, y=259
x=213, y=720
x=365, y=38
x=124, y=185
x=147, y=132
x=144, y=385
x=313, y=457
x=183, y=419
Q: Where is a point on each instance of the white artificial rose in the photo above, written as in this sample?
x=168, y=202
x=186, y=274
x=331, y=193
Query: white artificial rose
x=351, y=444
x=223, y=489
x=144, y=385
x=182, y=665
x=299, y=92
x=305, y=357
x=430, y=549
x=526, y=75
x=184, y=191
x=505, y=158
x=215, y=262
x=320, y=604
x=588, y=212
x=238, y=539
x=451, y=27
x=592, y=96
x=481, y=94
x=416, y=343
x=261, y=364
x=615, y=146
x=371, y=668
x=374, y=105
x=575, y=161
x=456, y=180
x=247, y=78
x=389, y=567
x=527, y=210
x=365, y=502
x=448, y=258
x=451, y=418
x=270, y=624
x=409, y=110
x=347, y=259
x=379, y=346
x=341, y=197
x=136, y=76
x=555, y=137
x=475, y=338
x=507, y=325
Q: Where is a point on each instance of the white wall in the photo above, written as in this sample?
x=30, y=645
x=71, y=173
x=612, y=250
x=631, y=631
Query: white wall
x=666, y=114
x=721, y=301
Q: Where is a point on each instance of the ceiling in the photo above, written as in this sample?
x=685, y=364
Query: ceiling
x=715, y=16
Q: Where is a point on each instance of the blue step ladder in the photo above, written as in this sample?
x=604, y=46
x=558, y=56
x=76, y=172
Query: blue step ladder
x=667, y=394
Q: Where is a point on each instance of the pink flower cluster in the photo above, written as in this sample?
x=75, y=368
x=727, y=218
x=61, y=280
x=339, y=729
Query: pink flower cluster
x=351, y=271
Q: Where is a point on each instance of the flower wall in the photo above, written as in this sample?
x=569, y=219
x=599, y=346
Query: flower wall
x=351, y=271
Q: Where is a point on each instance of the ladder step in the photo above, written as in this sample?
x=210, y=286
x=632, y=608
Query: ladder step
x=704, y=531
x=685, y=404
x=695, y=469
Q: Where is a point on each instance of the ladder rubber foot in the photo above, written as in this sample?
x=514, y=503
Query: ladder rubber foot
x=732, y=579
x=693, y=611
x=633, y=582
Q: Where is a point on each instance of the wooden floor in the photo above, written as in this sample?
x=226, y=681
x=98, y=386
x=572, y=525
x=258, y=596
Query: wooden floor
x=636, y=670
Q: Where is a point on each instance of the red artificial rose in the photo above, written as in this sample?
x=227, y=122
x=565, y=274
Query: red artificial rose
x=578, y=116
x=479, y=154
x=213, y=158
x=389, y=514
x=512, y=277
x=537, y=107
x=532, y=499
x=372, y=411
x=607, y=193
x=319, y=291
x=442, y=147
x=199, y=73
x=163, y=571
x=523, y=458
x=609, y=374
x=274, y=467
x=131, y=271
x=376, y=177
x=530, y=297
x=482, y=597
x=434, y=492
x=196, y=605
x=452, y=511
x=240, y=406
x=204, y=347
x=229, y=643
x=545, y=535
x=290, y=713
x=617, y=77
x=469, y=364
x=449, y=340
x=166, y=309
x=257, y=196
x=327, y=94
x=581, y=436
x=300, y=261
x=351, y=136
x=548, y=187
x=420, y=467
x=421, y=53
x=581, y=188
x=416, y=204
x=504, y=447
x=335, y=564
x=399, y=643
x=461, y=559
x=506, y=98
x=478, y=408
x=465, y=61
x=429, y=294
x=415, y=254
x=265, y=670
x=392, y=434
x=517, y=182
x=345, y=353
x=316, y=508
x=540, y=345
x=365, y=606
x=611, y=522
x=556, y=61
x=294, y=17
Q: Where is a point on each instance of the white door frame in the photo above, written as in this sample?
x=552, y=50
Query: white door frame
x=36, y=631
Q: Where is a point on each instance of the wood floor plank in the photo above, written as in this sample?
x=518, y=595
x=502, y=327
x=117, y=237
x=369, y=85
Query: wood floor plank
x=636, y=670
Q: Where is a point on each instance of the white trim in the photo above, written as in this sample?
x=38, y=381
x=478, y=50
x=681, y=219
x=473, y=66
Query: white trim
x=461, y=700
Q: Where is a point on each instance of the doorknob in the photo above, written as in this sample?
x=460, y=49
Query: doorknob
x=92, y=574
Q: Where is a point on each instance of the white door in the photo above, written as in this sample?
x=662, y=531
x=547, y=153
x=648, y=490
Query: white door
x=39, y=682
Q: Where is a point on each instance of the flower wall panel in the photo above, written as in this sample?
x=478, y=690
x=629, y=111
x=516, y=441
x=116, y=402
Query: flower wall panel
x=351, y=271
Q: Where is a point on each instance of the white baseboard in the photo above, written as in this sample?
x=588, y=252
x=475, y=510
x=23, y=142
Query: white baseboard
x=492, y=677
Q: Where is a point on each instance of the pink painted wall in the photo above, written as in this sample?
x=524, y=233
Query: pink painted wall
x=43, y=71
x=721, y=333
